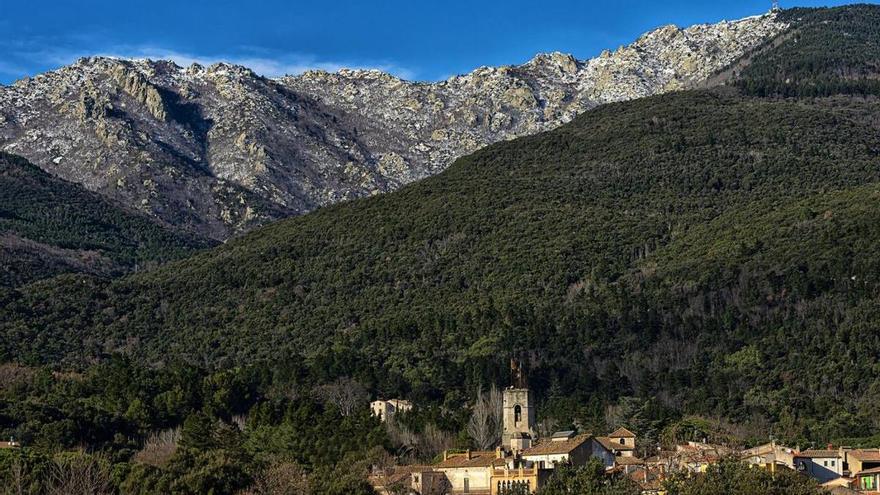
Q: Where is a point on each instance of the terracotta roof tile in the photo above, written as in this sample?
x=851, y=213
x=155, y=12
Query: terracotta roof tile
x=622, y=433
x=818, y=453
x=865, y=454
x=612, y=445
x=477, y=459
x=558, y=447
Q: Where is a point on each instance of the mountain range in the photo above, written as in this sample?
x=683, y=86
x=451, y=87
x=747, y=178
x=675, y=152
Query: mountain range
x=220, y=150
x=712, y=249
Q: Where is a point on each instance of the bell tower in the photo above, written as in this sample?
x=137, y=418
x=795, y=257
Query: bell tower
x=518, y=411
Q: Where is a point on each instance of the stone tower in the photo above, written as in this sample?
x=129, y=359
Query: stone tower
x=519, y=411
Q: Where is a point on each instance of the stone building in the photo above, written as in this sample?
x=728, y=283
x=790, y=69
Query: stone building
x=384, y=409
x=518, y=412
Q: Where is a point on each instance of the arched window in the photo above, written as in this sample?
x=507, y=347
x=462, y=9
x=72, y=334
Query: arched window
x=517, y=414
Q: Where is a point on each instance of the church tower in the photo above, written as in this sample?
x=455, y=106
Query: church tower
x=518, y=411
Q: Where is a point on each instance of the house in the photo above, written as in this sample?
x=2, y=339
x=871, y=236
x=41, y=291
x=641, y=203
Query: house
x=859, y=460
x=519, y=480
x=602, y=450
x=621, y=442
x=563, y=447
x=11, y=444
x=770, y=456
x=629, y=463
x=868, y=481
x=822, y=465
x=696, y=457
x=384, y=409
x=471, y=472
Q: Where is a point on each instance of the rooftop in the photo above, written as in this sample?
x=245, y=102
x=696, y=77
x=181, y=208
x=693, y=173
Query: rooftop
x=811, y=453
x=471, y=459
x=622, y=433
x=610, y=444
x=865, y=454
x=557, y=446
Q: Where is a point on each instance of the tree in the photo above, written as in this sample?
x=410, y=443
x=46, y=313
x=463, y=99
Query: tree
x=280, y=478
x=733, y=477
x=486, y=423
x=80, y=474
x=590, y=479
x=346, y=394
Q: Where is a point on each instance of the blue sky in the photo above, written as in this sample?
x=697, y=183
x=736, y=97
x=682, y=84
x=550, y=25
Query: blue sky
x=424, y=40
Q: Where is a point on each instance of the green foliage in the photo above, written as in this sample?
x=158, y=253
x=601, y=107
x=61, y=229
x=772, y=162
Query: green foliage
x=590, y=479
x=824, y=52
x=669, y=247
x=732, y=477
x=220, y=450
x=49, y=226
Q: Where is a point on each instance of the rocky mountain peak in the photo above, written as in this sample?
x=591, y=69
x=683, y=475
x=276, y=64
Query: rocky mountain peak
x=220, y=149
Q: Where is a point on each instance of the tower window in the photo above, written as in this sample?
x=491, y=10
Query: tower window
x=517, y=414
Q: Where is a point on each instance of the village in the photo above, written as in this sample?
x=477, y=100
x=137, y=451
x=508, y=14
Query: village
x=524, y=461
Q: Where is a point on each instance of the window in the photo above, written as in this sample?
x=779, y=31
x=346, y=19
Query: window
x=868, y=483
x=467, y=485
x=622, y=441
x=825, y=463
x=832, y=463
x=517, y=414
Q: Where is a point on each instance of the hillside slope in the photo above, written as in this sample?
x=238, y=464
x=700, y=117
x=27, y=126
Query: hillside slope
x=220, y=149
x=640, y=249
x=49, y=226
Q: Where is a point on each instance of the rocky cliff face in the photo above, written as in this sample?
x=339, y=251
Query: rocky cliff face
x=220, y=149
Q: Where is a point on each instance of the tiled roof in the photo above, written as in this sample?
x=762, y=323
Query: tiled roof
x=612, y=445
x=628, y=461
x=622, y=433
x=865, y=454
x=477, y=459
x=875, y=470
x=811, y=453
x=557, y=447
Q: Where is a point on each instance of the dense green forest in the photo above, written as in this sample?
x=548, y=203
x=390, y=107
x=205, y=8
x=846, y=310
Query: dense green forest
x=670, y=248
x=703, y=264
x=49, y=226
x=825, y=52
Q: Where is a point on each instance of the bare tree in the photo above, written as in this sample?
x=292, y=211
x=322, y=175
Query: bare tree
x=16, y=482
x=433, y=441
x=283, y=478
x=486, y=424
x=159, y=447
x=12, y=375
x=345, y=393
x=80, y=474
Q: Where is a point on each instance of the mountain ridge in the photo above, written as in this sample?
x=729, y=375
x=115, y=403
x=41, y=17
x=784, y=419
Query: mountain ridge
x=219, y=149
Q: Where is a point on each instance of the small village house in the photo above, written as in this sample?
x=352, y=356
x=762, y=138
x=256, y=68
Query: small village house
x=563, y=447
x=621, y=442
x=868, y=480
x=822, y=465
x=384, y=409
x=770, y=456
x=859, y=460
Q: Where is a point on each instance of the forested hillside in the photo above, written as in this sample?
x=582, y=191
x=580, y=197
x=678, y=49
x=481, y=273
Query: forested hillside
x=825, y=52
x=699, y=264
x=673, y=247
x=49, y=226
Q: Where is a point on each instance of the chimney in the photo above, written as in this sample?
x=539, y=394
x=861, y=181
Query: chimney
x=468, y=453
x=830, y=446
x=499, y=454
